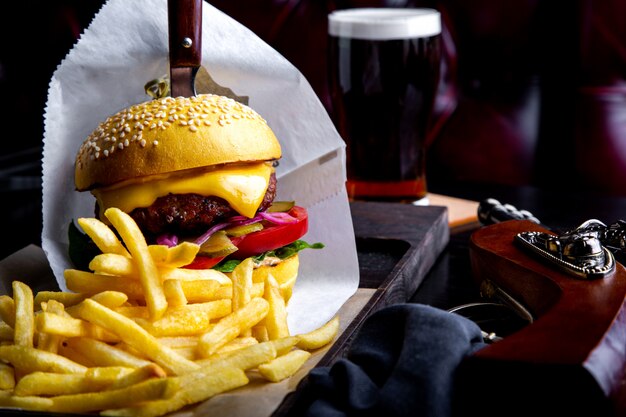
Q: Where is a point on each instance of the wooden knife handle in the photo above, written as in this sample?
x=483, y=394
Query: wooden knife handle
x=185, y=24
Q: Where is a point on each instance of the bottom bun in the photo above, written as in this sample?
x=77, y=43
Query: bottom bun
x=285, y=273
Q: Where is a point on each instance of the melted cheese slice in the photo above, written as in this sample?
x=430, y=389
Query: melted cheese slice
x=242, y=186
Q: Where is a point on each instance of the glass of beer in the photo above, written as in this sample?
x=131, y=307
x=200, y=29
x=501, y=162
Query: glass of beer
x=384, y=68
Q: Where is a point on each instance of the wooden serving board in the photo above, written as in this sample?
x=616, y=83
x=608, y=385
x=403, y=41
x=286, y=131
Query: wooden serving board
x=397, y=244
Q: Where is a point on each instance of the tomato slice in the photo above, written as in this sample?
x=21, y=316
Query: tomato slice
x=273, y=236
x=204, y=262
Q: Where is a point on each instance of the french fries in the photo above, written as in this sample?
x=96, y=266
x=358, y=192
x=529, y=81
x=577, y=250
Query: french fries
x=140, y=335
x=137, y=246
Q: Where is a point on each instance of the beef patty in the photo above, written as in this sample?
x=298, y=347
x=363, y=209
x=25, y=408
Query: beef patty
x=189, y=214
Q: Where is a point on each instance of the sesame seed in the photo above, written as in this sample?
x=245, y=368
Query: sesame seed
x=193, y=128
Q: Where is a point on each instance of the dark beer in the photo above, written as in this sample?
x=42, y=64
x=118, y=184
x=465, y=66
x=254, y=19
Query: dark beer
x=382, y=96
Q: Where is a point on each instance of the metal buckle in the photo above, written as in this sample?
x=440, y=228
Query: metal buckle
x=578, y=252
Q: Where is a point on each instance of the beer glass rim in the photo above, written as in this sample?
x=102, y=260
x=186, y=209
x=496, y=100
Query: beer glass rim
x=384, y=23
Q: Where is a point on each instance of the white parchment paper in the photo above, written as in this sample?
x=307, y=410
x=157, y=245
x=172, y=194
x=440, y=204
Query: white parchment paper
x=125, y=46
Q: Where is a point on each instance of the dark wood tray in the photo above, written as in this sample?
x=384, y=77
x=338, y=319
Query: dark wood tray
x=397, y=244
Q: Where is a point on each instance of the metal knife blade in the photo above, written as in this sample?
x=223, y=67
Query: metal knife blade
x=185, y=45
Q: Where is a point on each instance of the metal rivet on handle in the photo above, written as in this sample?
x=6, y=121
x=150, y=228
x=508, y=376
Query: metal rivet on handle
x=187, y=42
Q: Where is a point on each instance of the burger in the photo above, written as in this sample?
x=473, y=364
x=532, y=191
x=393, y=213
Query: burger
x=199, y=169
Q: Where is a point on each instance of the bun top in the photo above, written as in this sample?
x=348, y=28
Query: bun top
x=173, y=134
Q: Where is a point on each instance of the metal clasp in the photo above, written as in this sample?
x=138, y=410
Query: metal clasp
x=578, y=252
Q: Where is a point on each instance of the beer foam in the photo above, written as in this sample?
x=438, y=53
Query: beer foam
x=384, y=23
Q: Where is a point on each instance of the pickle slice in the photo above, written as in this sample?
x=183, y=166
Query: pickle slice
x=217, y=245
x=244, y=229
x=279, y=206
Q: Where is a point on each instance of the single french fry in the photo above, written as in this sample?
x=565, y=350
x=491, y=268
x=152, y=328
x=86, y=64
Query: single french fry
x=110, y=299
x=284, y=366
x=137, y=246
x=102, y=236
x=242, y=287
x=319, y=337
x=188, y=320
x=276, y=319
x=8, y=400
x=245, y=358
x=242, y=283
x=113, y=264
x=185, y=274
x=152, y=389
x=57, y=324
x=144, y=373
x=230, y=326
x=99, y=353
x=214, y=339
x=284, y=344
x=28, y=359
x=68, y=299
x=175, y=257
x=7, y=377
x=135, y=336
x=7, y=310
x=174, y=293
x=24, y=314
x=195, y=387
x=49, y=384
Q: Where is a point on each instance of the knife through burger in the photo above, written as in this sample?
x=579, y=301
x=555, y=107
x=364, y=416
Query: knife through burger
x=199, y=169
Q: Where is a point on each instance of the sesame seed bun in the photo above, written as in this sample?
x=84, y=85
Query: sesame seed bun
x=172, y=134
